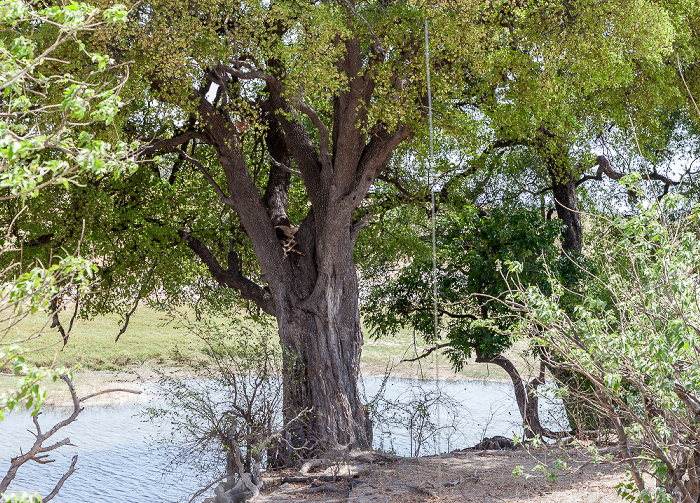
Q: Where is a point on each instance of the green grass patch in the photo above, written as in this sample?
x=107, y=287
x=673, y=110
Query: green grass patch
x=153, y=339
x=150, y=339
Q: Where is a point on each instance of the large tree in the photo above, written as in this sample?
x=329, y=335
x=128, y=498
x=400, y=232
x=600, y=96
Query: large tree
x=265, y=126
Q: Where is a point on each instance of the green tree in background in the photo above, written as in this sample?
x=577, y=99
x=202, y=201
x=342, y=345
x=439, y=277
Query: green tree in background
x=634, y=337
x=472, y=247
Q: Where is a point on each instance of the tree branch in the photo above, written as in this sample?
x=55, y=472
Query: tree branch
x=251, y=74
x=604, y=167
x=375, y=157
x=36, y=452
x=444, y=312
x=172, y=142
x=59, y=484
x=136, y=304
x=121, y=390
x=228, y=277
x=284, y=167
x=202, y=169
x=324, y=141
x=427, y=353
x=369, y=26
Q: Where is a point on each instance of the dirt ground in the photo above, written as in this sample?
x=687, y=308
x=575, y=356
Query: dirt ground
x=473, y=476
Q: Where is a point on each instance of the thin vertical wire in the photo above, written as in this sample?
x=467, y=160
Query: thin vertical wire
x=434, y=275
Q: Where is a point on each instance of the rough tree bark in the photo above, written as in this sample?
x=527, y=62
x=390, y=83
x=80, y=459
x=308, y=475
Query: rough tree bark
x=526, y=397
x=566, y=204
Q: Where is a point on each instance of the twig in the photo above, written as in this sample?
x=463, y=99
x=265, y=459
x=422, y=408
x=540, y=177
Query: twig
x=127, y=318
x=433, y=348
x=680, y=71
x=65, y=476
x=38, y=451
x=374, y=35
x=205, y=489
x=123, y=390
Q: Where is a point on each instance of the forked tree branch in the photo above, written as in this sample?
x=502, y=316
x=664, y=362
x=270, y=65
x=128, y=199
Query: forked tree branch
x=229, y=277
x=140, y=295
x=324, y=141
x=38, y=451
x=605, y=167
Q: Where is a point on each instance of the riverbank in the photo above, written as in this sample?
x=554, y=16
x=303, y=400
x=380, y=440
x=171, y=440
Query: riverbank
x=473, y=476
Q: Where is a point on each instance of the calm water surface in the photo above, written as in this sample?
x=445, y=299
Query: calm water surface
x=116, y=463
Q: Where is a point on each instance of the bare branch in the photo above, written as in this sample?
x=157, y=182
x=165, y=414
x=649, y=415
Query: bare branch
x=65, y=476
x=604, y=167
x=202, y=169
x=324, y=142
x=680, y=71
x=374, y=35
x=426, y=353
x=136, y=304
x=284, y=167
x=122, y=390
x=37, y=452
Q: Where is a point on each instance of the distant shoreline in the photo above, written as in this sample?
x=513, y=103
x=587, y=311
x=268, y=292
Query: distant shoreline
x=87, y=382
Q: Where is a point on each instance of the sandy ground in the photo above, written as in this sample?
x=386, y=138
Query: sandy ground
x=475, y=476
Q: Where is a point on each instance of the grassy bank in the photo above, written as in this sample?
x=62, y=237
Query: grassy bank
x=153, y=340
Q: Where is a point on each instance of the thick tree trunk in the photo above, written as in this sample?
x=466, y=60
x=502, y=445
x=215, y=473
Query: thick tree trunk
x=555, y=153
x=322, y=403
x=311, y=281
x=321, y=336
x=526, y=398
x=566, y=204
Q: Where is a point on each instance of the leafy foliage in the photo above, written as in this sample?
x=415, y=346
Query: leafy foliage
x=634, y=336
x=44, y=141
x=472, y=245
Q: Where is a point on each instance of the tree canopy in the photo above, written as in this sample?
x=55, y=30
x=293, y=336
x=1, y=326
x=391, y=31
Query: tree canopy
x=272, y=133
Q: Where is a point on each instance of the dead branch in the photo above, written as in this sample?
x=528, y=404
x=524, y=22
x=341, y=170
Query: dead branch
x=426, y=353
x=65, y=476
x=38, y=451
x=136, y=304
x=322, y=489
x=322, y=478
x=122, y=390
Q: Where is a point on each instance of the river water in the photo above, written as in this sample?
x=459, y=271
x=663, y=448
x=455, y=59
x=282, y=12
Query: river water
x=117, y=463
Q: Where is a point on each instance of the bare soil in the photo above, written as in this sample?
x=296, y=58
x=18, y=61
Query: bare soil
x=473, y=476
